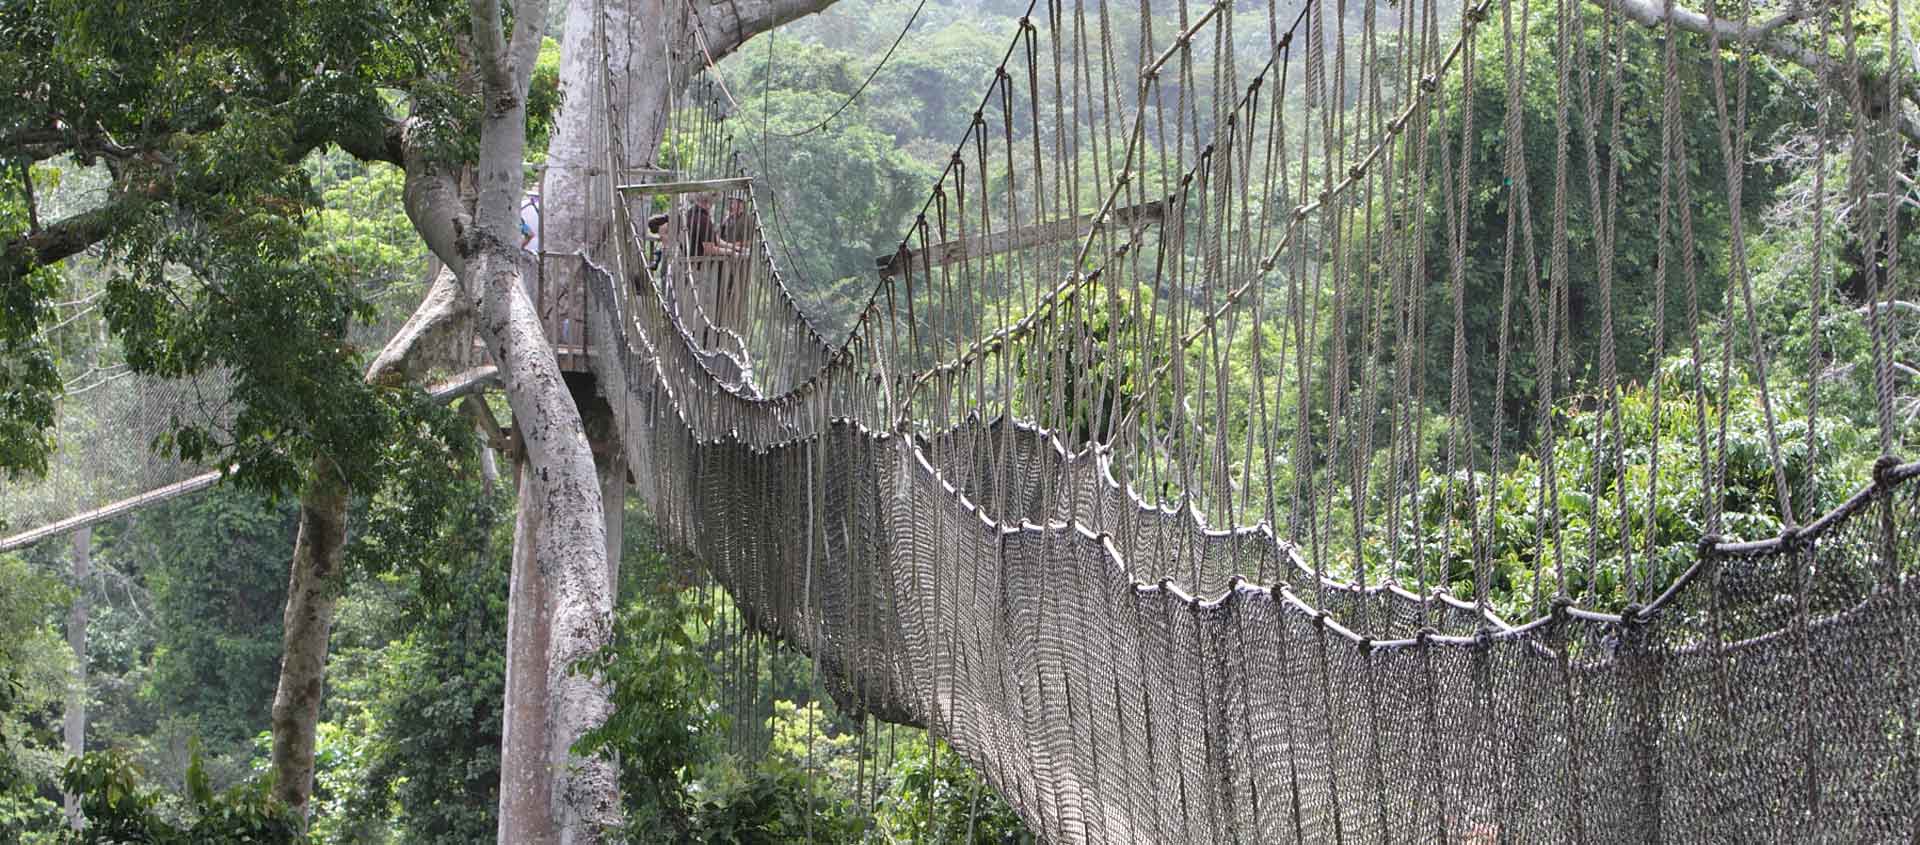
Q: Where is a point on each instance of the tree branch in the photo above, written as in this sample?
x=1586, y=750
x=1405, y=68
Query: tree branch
x=434, y=330
x=65, y=238
x=490, y=54
x=1771, y=38
x=726, y=26
x=1890, y=304
x=440, y=210
x=529, y=29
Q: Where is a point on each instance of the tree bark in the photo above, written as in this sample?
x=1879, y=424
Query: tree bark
x=76, y=716
x=569, y=545
x=311, y=591
x=526, y=783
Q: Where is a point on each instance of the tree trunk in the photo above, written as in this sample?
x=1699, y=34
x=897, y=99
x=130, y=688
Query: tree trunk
x=526, y=784
x=311, y=591
x=76, y=717
x=564, y=574
x=563, y=491
x=313, y=582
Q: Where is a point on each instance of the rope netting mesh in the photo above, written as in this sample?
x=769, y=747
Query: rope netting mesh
x=104, y=432
x=110, y=428
x=1119, y=484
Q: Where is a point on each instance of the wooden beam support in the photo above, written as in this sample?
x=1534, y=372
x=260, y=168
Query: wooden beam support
x=994, y=243
x=735, y=183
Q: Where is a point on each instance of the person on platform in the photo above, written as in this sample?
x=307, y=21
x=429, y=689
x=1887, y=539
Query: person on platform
x=703, y=239
x=737, y=227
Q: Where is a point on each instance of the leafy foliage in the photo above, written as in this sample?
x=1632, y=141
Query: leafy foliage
x=818, y=779
x=222, y=586
x=410, y=746
x=1635, y=244
x=33, y=672
x=119, y=808
x=203, y=118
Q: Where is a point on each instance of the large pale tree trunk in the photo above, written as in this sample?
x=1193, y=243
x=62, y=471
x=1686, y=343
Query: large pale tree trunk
x=569, y=542
x=567, y=535
x=526, y=782
x=614, y=76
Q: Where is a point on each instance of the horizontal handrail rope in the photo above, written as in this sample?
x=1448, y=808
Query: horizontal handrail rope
x=1883, y=484
x=1240, y=587
x=840, y=354
x=1064, y=292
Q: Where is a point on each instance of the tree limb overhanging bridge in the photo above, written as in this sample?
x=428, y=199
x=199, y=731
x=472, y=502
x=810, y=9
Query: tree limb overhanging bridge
x=1124, y=480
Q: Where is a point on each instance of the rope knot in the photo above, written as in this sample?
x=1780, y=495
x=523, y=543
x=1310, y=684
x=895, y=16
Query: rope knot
x=1429, y=84
x=1425, y=635
x=1789, y=534
x=1633, y=614
x=1707, y=544
x=1365, y=644
x=1356, y=172
x=1883, y=468
x=1286, y=40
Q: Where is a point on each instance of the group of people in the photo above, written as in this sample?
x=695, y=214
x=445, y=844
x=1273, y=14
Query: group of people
x=699, y=236
x=718, y=278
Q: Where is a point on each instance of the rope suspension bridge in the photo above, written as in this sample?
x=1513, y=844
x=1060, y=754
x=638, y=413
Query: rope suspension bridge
x=1160, y=474
x=1115, y=485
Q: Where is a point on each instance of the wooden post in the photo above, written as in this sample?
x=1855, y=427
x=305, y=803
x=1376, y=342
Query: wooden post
x=76, y=717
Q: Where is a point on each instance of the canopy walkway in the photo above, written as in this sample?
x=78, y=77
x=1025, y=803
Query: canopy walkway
x=1159, y=473
x=1030, y=504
